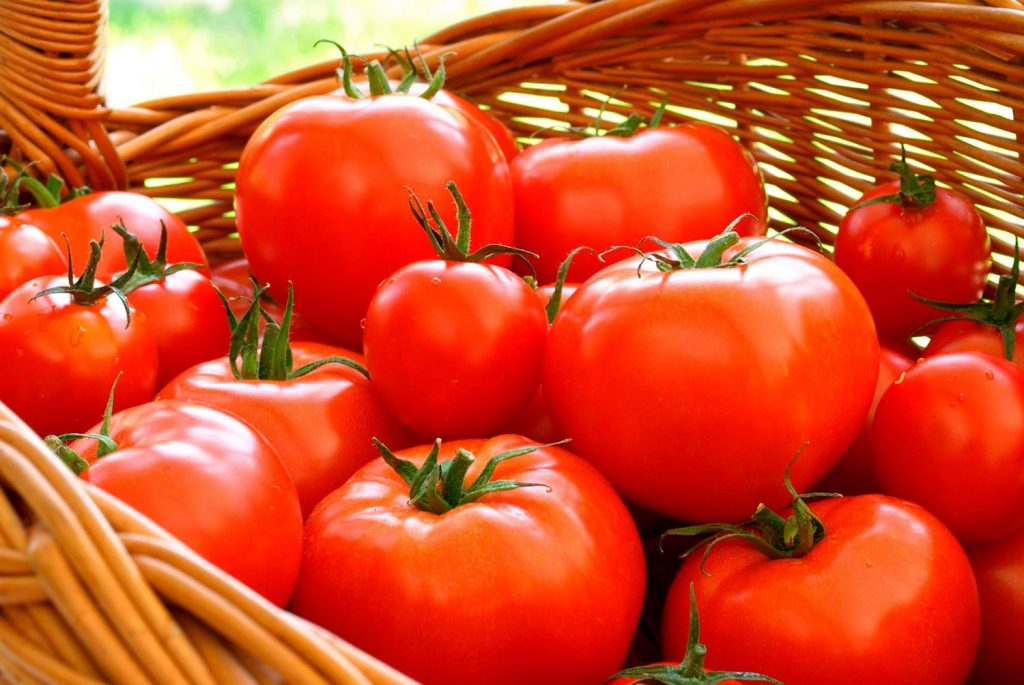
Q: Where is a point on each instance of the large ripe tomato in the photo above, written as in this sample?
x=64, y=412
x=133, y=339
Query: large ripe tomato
x=936, y=248
x=685, y=182
x=950, y=436
x=855, y=473
x=886, y=596
x=692, y=389
x=323, y=190
x=26, y=253
x=212, y=482
x=999, y=569
x=321, y=424
x=530, y=585
x=90, y=217
x=61, y=357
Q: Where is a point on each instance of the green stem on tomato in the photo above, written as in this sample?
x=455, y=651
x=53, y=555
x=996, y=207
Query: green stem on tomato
x=438, y=487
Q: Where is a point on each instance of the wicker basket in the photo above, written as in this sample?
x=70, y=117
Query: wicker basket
x=820, y=92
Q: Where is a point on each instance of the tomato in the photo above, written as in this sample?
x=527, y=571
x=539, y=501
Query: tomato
x=323, y=197
x=90, y=217
x=26, y=253
x=506, y=574
x=936, y=248
x=607, y=190
x=855, y=474
x=965, y=336
x=886, y=596
x=468, y=336
x=321, y=424
x=999, y=569
x=950, y=436
x=181, y=305
x=62, y=357
x=212, y=482
x=187, y=319
x=739, y=364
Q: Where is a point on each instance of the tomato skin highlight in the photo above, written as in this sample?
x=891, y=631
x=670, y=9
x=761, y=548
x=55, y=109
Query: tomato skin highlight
x=741, y=365
x=504, y=575
x=320, y=424
x=338, y=172
x=64, y=357
x=685, y=182
x=999, y=569
x=959, y=419
x=887, y=597
x=942, y=252
x=211, y=481
x=455, y=348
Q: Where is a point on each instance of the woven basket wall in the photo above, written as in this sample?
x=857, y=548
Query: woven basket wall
x=819, y=92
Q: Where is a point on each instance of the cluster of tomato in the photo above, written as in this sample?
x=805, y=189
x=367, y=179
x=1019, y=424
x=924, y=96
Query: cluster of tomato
x=431, y=455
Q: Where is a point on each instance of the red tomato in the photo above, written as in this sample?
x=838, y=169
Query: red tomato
x=212, y=482
x=965, y=336
x=455, y=348
x=63, y=357
x=739, y=364
x=999, y=569
x=26, y=253
x=684, y=182
x=855, y=474
x=187, y=319
x=91, y=216
x=336, y=174
x=887, y=596
x=950, y=436
x=321, y=424
x=508, y=573
x=940, y=251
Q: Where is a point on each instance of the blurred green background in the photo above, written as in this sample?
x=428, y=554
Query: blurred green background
x=167, y=47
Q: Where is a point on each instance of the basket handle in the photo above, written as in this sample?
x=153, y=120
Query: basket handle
x=52, y=109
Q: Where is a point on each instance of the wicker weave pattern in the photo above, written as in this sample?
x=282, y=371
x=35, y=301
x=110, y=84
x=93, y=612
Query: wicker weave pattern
x=820, y=93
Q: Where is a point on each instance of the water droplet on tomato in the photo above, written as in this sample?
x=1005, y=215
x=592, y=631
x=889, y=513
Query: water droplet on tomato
x=989, y=375
x=362, y=324
x=898, y=255
x=899, y=378
x=435, y=281
x=960, y=397
x=75, y=338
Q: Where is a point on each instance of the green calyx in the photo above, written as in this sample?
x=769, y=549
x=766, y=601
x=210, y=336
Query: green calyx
x=83, y=291
x=377, y=79
x=269, y=358
x=626, y=128
x=456, y=249
x=1001, y=312
x=46, y=195
x=713, y=256
x=147, y=270
x=72, y=459
x=691, y=670
x=439, y=487
x=916, y=191
x=773, y=535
